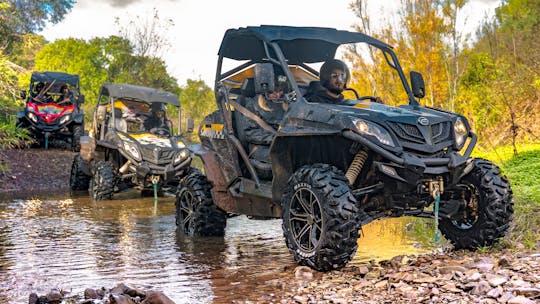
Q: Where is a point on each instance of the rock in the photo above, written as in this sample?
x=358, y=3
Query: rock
x=381, y=285
x=90, y=293
x=128, y=290
x=363, y=270
x=301, y=299
x=527, y=292
x=451, y=287
x=481, y=288
x=475, y=276
x=120, y=299
x=54, y=297
x=156, y=297
x=452, y=269
x=33, y=298
x=503, y=262
x=496, y=281
x=520, y=300
x=303, y=273
x=495, y=292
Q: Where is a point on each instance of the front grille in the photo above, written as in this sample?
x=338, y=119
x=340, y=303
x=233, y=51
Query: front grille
x=439, y=132
x=158, y=156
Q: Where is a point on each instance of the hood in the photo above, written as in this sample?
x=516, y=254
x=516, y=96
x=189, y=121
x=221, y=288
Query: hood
x=422, y=129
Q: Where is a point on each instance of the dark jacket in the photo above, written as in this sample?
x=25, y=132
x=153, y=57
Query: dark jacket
x=321, y=96
x=271, y=112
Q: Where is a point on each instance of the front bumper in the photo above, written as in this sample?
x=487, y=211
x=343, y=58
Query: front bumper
x=408, y=168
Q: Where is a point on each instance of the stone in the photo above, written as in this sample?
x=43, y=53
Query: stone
x=33, y=298
x=128, y=290
x=156, y=297
x=481, y=288
x=303, y=273
x=452, y=269
x=520, y=300
x=381, y=284
x=121, y=299
x=527, y=292
x=495, y=292
x=497, y=281
x=54, y=297
x=90, y=293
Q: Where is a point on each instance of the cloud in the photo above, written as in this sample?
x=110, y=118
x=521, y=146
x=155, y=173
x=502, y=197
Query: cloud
x=118, y=3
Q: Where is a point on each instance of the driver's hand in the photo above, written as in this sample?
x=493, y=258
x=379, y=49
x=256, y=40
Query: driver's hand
x=378, y=100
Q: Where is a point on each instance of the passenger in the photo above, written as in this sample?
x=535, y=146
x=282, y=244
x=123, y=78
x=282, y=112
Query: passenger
x=40, y=94
x=271, y=108
x=66, y=95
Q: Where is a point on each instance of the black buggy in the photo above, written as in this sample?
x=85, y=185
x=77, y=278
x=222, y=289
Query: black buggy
x=336, y=167
x=124, y=150
x=52, y=110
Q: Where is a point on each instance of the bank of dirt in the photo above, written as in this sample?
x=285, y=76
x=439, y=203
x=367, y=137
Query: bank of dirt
x=34, y=171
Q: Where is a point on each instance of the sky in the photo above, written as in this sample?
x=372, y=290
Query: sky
x=199, y=25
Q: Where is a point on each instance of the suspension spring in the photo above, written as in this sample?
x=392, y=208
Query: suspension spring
x=356, y=166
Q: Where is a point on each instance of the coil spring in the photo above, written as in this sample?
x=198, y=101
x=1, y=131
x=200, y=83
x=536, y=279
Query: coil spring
x=356, y=166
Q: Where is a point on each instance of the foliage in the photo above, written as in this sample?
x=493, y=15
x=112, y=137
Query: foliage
x=24, y=49
x=197, y=101
x=22, y=17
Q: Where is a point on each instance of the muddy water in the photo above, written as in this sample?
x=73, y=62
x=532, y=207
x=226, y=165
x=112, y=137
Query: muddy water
x=74, y=243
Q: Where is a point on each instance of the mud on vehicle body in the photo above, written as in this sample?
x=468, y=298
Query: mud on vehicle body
x=52, y=110
x=336, y=167
x=123, y=151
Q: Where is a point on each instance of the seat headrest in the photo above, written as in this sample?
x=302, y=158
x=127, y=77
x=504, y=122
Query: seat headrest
x=264, y=78
x=248, y=87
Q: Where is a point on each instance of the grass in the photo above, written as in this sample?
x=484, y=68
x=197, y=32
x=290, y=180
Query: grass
x=523, y=172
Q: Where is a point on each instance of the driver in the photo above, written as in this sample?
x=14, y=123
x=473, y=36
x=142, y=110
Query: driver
x=157, y=117
x=334, y=75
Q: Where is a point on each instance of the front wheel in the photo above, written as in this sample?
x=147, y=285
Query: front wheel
x=320, y=217
x=196, y=213
x=485, y=210
x=102, y=182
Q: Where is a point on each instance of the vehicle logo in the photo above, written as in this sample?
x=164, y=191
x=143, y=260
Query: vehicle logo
x=423, y=121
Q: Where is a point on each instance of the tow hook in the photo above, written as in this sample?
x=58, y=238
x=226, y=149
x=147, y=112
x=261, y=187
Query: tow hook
x=436, y=187
x=154, y=179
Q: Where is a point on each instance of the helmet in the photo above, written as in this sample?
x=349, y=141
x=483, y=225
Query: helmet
x=281, y=83
x=39, y=86
x=326, y=71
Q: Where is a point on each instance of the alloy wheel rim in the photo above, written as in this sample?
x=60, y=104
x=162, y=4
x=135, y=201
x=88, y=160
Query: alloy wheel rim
x=306, y=219
x=186, y=209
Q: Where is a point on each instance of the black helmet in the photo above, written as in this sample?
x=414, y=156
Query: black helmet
x=326, y=71
x=158, y=106
x=39, y=86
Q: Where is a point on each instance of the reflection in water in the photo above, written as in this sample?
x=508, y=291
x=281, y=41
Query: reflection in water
x=74, y=243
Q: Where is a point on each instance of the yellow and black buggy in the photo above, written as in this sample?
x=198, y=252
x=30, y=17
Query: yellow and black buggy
x=131, y=144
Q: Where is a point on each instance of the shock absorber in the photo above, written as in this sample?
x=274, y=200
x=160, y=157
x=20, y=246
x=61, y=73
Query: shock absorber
x=356, y=166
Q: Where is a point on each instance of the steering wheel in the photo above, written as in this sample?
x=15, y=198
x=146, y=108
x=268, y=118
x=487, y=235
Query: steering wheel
x=160, y=131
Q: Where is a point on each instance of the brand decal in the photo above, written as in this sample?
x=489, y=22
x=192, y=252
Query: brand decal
x=214, y=131
x=302, y=185
x=423, y=121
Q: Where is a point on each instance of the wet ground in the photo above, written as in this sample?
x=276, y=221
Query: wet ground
x=72, y=243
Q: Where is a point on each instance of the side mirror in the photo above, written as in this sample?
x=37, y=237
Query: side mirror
x=417, y=84
x=190, y=125
x=22, y=94
x=81, y=98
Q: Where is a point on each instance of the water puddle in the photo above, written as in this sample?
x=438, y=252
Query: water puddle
x=74, y=244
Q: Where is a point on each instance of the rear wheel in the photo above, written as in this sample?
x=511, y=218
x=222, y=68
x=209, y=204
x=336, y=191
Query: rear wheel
x=196, y=213
x=485, y=211
x=78, y=131
x=78, y=180
x=102, y=182
x=320, y=217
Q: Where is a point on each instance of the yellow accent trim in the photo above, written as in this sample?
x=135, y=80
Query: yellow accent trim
x=213, y=127
x=362, y=105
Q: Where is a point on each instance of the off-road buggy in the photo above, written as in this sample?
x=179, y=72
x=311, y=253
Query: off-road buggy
x=52, y=111
x=336, y=167
x=123, y=151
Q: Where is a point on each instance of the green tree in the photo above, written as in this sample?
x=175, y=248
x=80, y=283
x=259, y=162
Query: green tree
x=21, y=17
x=197, y=101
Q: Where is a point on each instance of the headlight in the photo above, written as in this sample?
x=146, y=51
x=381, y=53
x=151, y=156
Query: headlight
x=32, y=117
x=368, y=128
x=183, y=154
x=65, y=119
x=132, y=150
x=180, y=144
x=460, y=132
